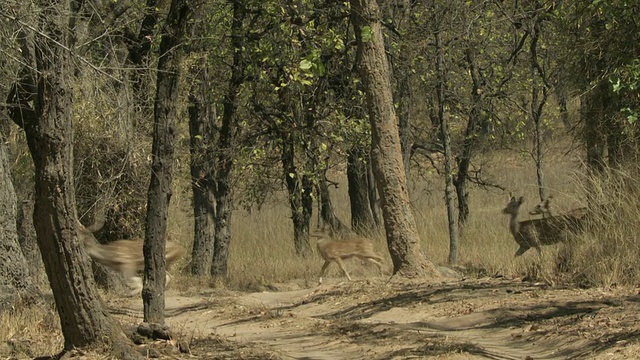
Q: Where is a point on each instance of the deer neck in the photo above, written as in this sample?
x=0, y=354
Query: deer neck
x=514, y=224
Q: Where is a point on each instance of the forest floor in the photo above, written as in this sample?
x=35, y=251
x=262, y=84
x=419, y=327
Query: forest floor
x=490, y=318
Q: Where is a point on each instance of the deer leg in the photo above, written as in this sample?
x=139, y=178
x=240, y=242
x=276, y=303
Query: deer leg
x=377, y=263
x=324, y=268
x=344, y=270
x=521, y=250
x=135, y=283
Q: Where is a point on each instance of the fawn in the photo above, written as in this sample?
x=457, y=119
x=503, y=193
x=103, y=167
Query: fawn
x=335, y=251
x=124, y=256
x=535, y=232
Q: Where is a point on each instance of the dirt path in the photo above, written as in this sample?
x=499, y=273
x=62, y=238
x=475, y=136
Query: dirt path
x=368, y=319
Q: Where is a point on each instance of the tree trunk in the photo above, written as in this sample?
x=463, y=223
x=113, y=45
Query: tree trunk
x=228, y=134
x=202, y=139
x=327, y=214
x=49, y=131
x=538, y=102
x=373, y=193
x=471, y=137
x=29, y=242
x=362, y=221
x=402, y=235
x=14, y=269
x=454, y=240
x=299, y=188
x=177, y=25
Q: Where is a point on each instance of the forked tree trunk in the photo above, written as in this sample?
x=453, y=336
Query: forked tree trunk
x=177, y=25
x=402, y=235
x=49, y=131
x=327, y=214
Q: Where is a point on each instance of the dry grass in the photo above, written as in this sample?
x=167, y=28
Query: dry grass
x=262, y=250
x=30, y=331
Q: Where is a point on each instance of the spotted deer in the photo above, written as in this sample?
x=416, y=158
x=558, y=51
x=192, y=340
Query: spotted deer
x=336, y=251
x=573, y=220
x=124, y=256
x=535, y=232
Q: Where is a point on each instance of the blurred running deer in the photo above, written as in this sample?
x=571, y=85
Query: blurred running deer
x=124, y=256
x=335, y=251
x=535, y=232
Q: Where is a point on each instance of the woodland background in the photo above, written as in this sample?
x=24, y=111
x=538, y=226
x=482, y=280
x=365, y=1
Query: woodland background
x=272, y=136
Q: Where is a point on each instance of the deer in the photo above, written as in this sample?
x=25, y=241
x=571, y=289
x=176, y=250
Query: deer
x=573, y=220
x=535, y=232
x=336, y=251
x=124, y=256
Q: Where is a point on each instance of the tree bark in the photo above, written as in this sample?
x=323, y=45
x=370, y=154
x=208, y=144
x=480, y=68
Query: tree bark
x=29, y=242
x=402, y=235
x=327, y=214
x=225, y=155
x=362, y=221
x=178, y=23
x=49, y=131
x=202, y=139
x=14, y=268
x=299, y=187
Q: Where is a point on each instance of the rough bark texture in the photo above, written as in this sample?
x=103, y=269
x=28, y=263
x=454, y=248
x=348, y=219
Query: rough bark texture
x=402, y=235
x=14, y=269
x=202, y=136
x=224, y=160
x=29, y=242
x=164, y=131
x=49, y=130
x=299, y=188
x=362, y=220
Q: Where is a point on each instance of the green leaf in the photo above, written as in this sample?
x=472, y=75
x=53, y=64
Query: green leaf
x=305, y=64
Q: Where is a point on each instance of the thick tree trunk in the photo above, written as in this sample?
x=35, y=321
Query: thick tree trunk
x=362, y=221
x=49, y=130
x=402, y=235
x=14, y=269
x=177, y=25
x=202, y=139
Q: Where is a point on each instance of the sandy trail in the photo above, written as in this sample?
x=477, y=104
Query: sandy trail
x=369, y=319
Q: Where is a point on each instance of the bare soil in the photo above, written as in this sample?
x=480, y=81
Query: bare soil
x=491, y=318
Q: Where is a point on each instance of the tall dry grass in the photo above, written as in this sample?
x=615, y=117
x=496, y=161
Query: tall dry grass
x=607, y=253
x=262, y=250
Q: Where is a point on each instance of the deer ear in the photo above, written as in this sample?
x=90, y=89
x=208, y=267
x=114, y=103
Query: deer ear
x=521, y=200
